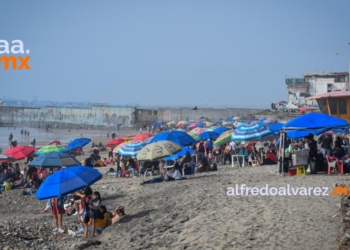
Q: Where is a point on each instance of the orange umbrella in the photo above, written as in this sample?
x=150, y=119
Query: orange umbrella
x=115, y=142
x=142, y=137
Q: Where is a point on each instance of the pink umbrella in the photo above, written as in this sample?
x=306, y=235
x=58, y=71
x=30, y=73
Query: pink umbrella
x=193, y=125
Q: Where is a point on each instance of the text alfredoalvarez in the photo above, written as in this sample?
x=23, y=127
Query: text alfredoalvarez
x=9, y=54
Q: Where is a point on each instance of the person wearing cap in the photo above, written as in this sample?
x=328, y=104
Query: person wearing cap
x=244, y=153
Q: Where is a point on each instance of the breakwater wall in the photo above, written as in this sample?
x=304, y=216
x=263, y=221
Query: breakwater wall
x=105, y=117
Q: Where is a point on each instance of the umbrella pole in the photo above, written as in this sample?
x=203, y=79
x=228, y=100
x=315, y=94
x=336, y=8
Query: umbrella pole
x=280, y=158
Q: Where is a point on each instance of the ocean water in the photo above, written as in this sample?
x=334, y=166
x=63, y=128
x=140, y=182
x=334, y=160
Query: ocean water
x=42, y=137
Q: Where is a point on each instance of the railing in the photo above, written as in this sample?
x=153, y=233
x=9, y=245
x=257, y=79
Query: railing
x=296, y=81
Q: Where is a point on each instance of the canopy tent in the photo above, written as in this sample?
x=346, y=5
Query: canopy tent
x=315, y=121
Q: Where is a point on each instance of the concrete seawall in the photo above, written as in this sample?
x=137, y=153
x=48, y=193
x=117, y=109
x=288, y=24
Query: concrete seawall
x=104, y=117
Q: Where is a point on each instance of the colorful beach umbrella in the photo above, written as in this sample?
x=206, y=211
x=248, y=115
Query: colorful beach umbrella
x=197, y=131
x=247, y=133
x=51, y=148
x=117, y=148
x=193, y=125
x=224, y=138
x=131, y=149
x=141, y=137
x=20, y=152
x=180, y=123
x=158, y=150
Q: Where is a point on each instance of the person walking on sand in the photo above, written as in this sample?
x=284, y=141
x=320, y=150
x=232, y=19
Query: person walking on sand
x=10, y=138
x=22, y=133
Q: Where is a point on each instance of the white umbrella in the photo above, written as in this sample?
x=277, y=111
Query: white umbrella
x=158, y=150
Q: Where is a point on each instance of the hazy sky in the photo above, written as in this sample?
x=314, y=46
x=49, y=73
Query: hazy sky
x=171, y=52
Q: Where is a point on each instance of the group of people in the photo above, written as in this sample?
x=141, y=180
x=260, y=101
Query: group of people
x=87, y=205
x=11, y=176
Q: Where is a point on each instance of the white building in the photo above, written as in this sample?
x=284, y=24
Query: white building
x=315, y=83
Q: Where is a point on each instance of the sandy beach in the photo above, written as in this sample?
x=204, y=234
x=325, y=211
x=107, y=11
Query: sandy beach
x=195, y=213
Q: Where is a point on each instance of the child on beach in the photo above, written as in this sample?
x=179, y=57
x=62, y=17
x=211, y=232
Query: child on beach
x=94, y=206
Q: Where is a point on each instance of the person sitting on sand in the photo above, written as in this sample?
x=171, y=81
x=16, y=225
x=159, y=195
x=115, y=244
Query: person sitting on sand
x=18, y=183
x=270, y=159
x=3, y=176
x=103, y=220
x=105, y=162
x=204, y=165
x=174, y=174
x=119, y=212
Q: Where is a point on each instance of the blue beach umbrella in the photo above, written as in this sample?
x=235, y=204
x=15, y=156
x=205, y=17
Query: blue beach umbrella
x=220, y=130
x=67, y=181
x=131, y=149
x=247, y=133
x=178, y=137
x=209, y=134
x=180, y=154
x=77, y=143
x=53, y=159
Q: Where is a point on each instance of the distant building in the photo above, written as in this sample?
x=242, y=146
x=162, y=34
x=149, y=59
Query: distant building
x=315, y=83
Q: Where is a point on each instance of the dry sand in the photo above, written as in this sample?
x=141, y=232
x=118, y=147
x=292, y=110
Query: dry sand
x=193, y=214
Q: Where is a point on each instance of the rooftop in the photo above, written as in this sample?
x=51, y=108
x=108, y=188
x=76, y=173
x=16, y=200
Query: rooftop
x=333, y=94
x=331, y=74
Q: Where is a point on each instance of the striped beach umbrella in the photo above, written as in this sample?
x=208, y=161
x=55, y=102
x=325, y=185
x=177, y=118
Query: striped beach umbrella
x=224, y=138
x=247, y=133
x=51, y=148
x=119, y=147
x=131, y=149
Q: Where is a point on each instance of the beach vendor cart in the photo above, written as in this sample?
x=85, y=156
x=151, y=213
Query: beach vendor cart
x=315, y=124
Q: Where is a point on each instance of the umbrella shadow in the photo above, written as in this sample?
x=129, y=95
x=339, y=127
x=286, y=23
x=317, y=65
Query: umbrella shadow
x=113, y=196
x=129, y=217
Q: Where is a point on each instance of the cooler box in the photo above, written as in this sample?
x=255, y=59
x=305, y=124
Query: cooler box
x=292, y=171
x=301, y=157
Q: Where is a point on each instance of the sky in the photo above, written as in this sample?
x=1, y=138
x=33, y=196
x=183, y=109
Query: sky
x=176, y=53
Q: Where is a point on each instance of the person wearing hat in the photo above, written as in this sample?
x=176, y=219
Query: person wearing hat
x=244, y=152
